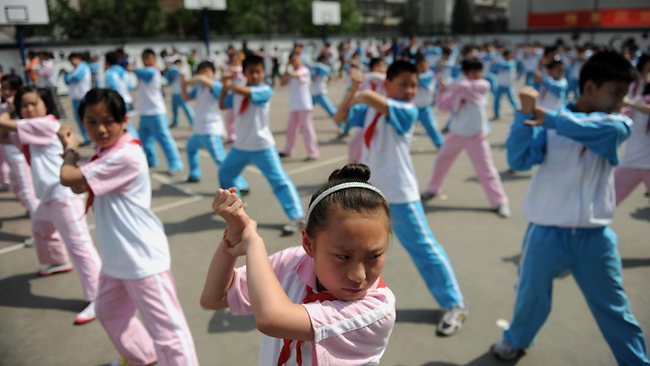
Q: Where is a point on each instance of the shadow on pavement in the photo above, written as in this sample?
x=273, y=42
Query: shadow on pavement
x=506, y=176
x=224, y=321
x=428, y=208
x=22, y=297
x=641, y=214
x=486, y=359
x=627, y=262
x=194, y=224
x=423, y=316
x=13, y=238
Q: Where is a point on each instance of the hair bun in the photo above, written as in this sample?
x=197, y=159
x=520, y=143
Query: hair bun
x=352, y=172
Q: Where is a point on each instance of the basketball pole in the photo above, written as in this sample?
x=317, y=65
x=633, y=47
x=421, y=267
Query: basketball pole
x=20, y=39
x=206, y=31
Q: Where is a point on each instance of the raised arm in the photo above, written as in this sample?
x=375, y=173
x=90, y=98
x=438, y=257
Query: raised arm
x=71, y=175
x=341, y=115
x=275, y=314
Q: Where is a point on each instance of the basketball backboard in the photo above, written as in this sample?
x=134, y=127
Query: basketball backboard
x=326, y=13
x=21, y=12
x=205, y=4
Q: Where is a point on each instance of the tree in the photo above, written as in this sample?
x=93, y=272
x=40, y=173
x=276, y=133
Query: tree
x=462, y=17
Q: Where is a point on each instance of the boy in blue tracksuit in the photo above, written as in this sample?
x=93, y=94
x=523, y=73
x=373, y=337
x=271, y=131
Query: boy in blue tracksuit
x=424, y=100
x=255, y=142
x=117, y=78
x=319, y=74
x=79, y=81
x=153, y=114
x=553, y=86
x=208, y=125
x=173, y=76
x=505, y=77
x=388, y=123
x=569, y=204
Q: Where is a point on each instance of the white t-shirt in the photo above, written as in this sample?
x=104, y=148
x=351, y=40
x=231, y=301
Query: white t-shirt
x=45, y=152
x=150, y=99
x=132, y=238
x=319, y=75
x=252, y=122
x=79, y=81
x=468, y=100
x=426, y=90
x=388, y=155
x=637, y=148
x=207, y=120
x=299, y=95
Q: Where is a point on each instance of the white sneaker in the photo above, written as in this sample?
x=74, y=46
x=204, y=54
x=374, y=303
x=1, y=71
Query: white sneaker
x=86, y=315
x=452, y=320
x=54, y=269
x=29, y=243
x=504, y=351
x=503, y=210
x=293, y=227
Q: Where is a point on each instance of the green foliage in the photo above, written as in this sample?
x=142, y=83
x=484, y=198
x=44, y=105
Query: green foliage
x=461, y=17
x=146, y=18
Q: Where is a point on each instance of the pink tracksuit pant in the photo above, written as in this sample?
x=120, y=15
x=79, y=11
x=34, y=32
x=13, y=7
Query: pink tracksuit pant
x=478, y=149
x=355, y=146
x=59, y=228
x=162, y=336
x=302, y=119
x=230, y=125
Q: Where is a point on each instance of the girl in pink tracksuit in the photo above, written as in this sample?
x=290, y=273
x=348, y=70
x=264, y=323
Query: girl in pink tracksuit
x=58, y=223
x=468, y=98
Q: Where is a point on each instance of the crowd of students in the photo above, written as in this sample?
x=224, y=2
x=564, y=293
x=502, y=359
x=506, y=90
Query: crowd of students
x=325, y=302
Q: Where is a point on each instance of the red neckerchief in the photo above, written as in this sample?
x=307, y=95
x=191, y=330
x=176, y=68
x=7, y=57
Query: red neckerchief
x=244, y=105
x=91, y=195
x=310, y=296
x=27, y=153
x=367, y=136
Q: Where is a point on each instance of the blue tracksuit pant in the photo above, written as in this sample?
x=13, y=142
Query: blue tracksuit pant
x=324, y=101
x=269, y=163
x=154, y=128
x=212, y=143
x=75, y=113
x=428, y=119
x=510, y=92
x=592, y=257
x=179, y=102
x=412, y=229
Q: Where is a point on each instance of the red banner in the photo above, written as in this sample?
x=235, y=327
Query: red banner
x=604, y=18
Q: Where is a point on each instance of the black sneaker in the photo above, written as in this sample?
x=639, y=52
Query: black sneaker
x=244, y=192
x=193, y=180
x=283, y=155
x=427, y=196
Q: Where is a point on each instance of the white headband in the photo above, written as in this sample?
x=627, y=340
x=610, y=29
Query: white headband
x=340, y=187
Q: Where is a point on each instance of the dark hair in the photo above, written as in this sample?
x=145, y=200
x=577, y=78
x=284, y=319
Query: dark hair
x=419, y=57
x=110, y=97
x=507, y=53
x=74, y=55
x=251, y=60
x=556, y=62
x=148, y=51
x=471, y=64
x=374, y=62
x=349, y=199
x=321, y=58
x=206, y=65
x=45, y=94
x=607, y=66
x=643, y=59
x=112, y=58
x=14, y=81
x=398, y=67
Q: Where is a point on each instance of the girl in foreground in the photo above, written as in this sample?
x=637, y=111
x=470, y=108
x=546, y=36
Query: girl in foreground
x=322, y=303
